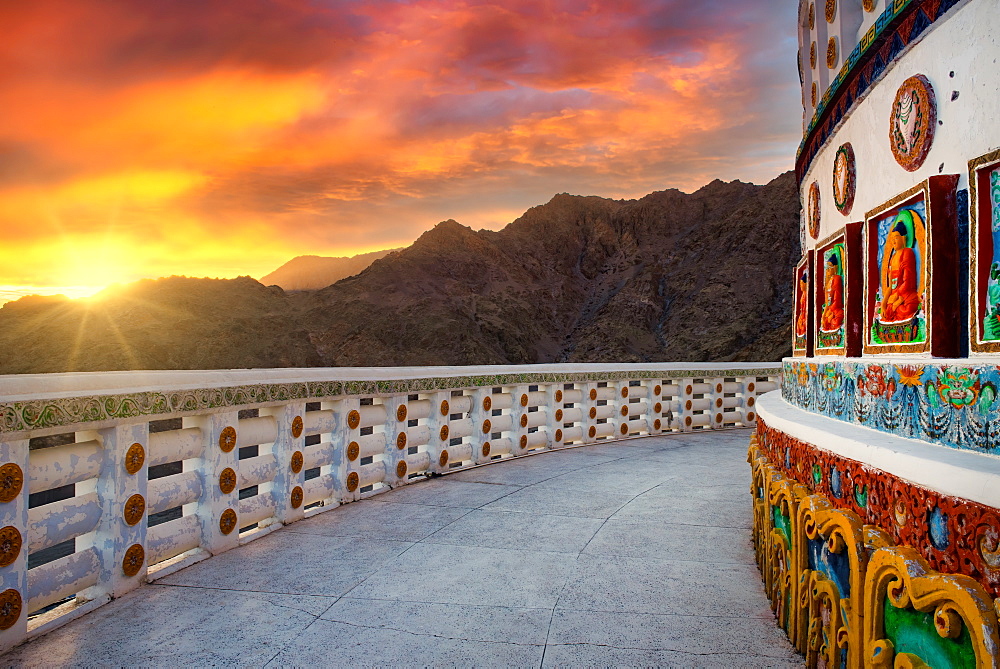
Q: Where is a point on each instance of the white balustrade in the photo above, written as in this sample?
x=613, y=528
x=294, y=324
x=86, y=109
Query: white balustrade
x=146, y=473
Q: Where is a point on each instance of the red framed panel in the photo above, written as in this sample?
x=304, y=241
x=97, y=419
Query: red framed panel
x=839, y=287
x=984, y=253
x=911, y=272
x=802, y=311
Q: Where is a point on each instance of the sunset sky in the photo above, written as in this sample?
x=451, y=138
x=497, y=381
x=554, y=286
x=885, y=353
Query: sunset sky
x=143, y=138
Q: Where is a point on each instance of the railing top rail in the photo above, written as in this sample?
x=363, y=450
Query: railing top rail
x=23, y=387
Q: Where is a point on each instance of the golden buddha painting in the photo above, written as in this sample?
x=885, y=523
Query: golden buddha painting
x=801, y=325
x=899, y=315
x=831, y=311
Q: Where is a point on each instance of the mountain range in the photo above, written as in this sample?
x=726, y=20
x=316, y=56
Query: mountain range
x=671, y=276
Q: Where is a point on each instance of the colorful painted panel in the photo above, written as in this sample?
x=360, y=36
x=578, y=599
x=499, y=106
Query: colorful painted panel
x=831, y=321
x=984, y=245
x=950, y=405
x=898, y=276
x=802, y=315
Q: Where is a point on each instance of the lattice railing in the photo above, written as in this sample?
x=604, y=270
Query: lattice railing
x=103, y=487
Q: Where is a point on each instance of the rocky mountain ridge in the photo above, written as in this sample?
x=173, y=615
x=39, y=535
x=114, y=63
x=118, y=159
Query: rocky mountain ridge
x=668, y=277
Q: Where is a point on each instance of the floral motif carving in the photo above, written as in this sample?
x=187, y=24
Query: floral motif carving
x=353, y=419
x=135, y=508
x=227, y=480
x=353, y=480
x=227, y=521
x=227, y=439
x=443, y=432
x=401, y=469
x=353, y=451
x=296, y=497
x=134, y=558
x=443, y=458
x=11, y=605
x=296, y=462
x=11, y=482
x=401, y=440
x=297, y=426
x=10, y=545
x=134, y=457
x=401, y=412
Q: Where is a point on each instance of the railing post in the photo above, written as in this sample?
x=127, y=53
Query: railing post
x=686, y=397
x=438, y=424
x=343, y=436
x=120, y=537
x=480, y=415
x=396, y=446
x=551, y=406
x=289, y=474
x=519, y=417
x=14, y=475
x=218, y=508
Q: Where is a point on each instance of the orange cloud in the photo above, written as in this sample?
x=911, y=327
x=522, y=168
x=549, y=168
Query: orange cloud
x=222, y=137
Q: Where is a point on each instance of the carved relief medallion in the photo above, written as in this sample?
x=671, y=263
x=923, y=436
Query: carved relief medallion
x=134, y=458
x=134, y=509
x=812, y=210
x=297, y=426
x=844, y=179
x=227, y=521
x=912, y=122
x=227, y=480
x=135, y=556
x=227, y=439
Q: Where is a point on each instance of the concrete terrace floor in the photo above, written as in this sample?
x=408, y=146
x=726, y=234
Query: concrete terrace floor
x=634, y=553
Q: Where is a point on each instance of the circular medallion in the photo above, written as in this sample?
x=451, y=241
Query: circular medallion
x=524, y=420
x=296, y=498
x=10, y=608
x=11, y=482
x=524, y=399
x=134, y=458
x=831, y=53
x=812, y=56
x=401, y=412
x=718, y=387
x=750, y=387
x=656, y=424
x=830, y=11
x=657, y=408
x=625, y=393
x=445, y=407
x=558, y=435
x=687, y=421
x=353, y=419
x=718, y=403
x=912, y=122
x=812, y=216
x=487, y=426
x=135, y=507
x=814, y=94
x=624, y=429
x=487, y=403
x=559, y=396
x=844, y=179
x=624, y=410
x=443, y=458
x=559, y=414
x=486, y=449
x=443, y=432
x=750, y=416
x=750, y=401
x=592, y=431
x=689, y=389
x=718, y=418
x=297, y=426
x=227, y=439
x=688, y=405
x=227, y=521
x=227, y=480
x=593, y=412
x=812, y=16
x=132, y=562
x=401, y=440
x=869, y=5
x=353, y=480
x=353, y=451
x=10, y=545
x=523, y=441
x=296, y=462
x=593, y=394
x=657, y=390
x=401, y=469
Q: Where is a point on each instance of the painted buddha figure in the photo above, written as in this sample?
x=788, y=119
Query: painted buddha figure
x=802, y=306
x=833, y=293
x=900, y=299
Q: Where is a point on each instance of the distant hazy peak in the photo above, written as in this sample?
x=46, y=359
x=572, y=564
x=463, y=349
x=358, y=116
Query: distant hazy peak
x=315, y=272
